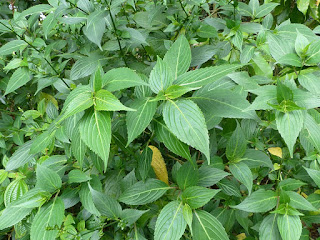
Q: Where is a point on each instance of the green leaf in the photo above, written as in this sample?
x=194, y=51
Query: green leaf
x=137, y=121
x=255, y=158
x=265, y=9
x=289, y=125
x=165, y=136
x=303, y=5
x=313, y=54
x=14, y=191
x=87, y=201
x=105, y=204
x=20, y=157
x=237, y=144
x=77, y=101
x=290, y=227
x=3, y=175
x=170, y=223
x=95, y=26
x=187, y=175
x=48, y=24
x=178, y=57
x=96, y=79
x=144, y=192
x=47, y=179
x=301, y=44
x=243, y=173
x=203, y=76
x=268, y=229
x=130, y=216
x=186, y=121
x=78, y=147
x=278, y=46
x=247, y=54
x=85, y=66
x=290, y=184
x=259, y=201
x=314, y=174
x=33, y=10
x=120, y=78
x=42, y=141
x=85, y=5
x=299, y=202
x=19, y=78
x=207, y=31
x=197, y=197
x=223, y=103
x=229, y=187
x=313, y=130
x=48, y=220
x=12, y=46
x=144, y=163
x=310, y=81
x=290, y=59
x=160, y=77
x=77, y=176
x=206, y=227
x=106, y=101
x=209, y=176
x=176, y=91
x=95, y=132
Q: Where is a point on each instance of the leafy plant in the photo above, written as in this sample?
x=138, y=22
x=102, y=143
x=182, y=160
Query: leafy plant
x=159, y=120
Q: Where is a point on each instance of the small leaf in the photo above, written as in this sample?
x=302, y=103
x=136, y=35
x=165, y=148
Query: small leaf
x=159, y=165
x=259, y=201
x=197, y=197
x=14, y=191
x=237, y=144
x=186, y=121
x=144, y=192
x=290, y=227
x=95, y=131
x=77, y=176
x=276, y=151
x=144, y=163
x=130, y=216
x=170, y=223
x=187, y=215
x=106, y=101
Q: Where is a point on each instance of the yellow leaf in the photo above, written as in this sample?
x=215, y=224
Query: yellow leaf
x=317, y=191
x=159, y=165
x=276, y=166
x=304, y=195
x=275, y=151
x=241, y=236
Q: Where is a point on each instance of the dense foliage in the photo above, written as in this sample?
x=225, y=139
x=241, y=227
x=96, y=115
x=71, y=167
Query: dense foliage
x=165, y=120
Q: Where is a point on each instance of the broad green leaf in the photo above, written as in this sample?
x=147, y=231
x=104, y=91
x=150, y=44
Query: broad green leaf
x=144, y=192
x=33, y=10
x=176, y=91
x=137, y=121
x=48, y=220
x=229, y=187
x=42, y=141
x=19, y=78
x=313, y=54
x=48, y=24
x=170, y=223
x=12, y=46
x=144, y=163
x=268, y=229
x=77, y=101
x=255, y=158
x=187, y=175
x=278, y=46
x=290, y=184
x=310, y=81
x=160, y=77
x=95, y=132
x=290, y=227
x=209, y=176
x=77, y=176
x=186, y=121
x=20, y=157
x=130, y=216
x=313, y=130
x=237, y=144
x=14, y=191
x=178, y=57
x=299, y=202
x=203, y=76
x=206, y=227
x=165, y=136
x=303, y=5
x=87, y=201
x=247, y=54
x=197, y=197
x=106, y=101
x=265, y=9
x=95, y=27
x=47, y=179
x=105, y=204
x=85, y=66
x=259, y=201
x=290, y=59
x=85, y=5
x=289, y=125
x=223, y=103
x=120, y=78
x=314, y=174
x=243, y=173
x=300, y=45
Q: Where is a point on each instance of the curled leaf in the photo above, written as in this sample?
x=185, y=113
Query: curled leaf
x=159, y=165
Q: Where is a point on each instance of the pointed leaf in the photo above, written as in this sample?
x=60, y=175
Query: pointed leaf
x=95, y=27
x=11, y=47
x=106, y=101
x=47, y=179
x=19, y=78
x=242, y=173
x=159, y=165
x=197, y=197
x=290, y=227
x=160, y=77
x=269, y=228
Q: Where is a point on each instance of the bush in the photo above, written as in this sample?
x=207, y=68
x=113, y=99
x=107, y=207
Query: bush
x=159, y=120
